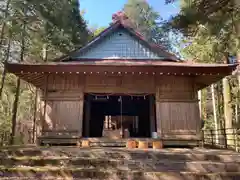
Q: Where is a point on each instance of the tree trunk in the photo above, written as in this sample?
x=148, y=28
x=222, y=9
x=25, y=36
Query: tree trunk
x=4, y=23
x=44, y=51
x=216, y=122
x=219, y=103
x=237, y=29
x=15, y=104
x=4, y=68
x=227, y=106
x=37, y=98
x=220, y=112
x=14, y=112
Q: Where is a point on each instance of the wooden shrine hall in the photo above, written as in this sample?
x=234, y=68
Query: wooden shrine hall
x=120, y=86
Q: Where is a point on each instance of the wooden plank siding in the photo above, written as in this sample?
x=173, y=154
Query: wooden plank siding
x=178, y=119
x=177, y=112
x=118, y=45
x=64, y=115
x=120, y=84
x=64, y=104
x=177, y=108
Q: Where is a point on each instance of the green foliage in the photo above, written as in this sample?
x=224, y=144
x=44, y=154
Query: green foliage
x=148, y=22
x=34, y=24
x=218, y=19
x=212, y=33
x=61, y=27
x=97, y=31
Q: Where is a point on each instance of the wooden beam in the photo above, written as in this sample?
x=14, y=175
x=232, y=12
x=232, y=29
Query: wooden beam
x=162, y=68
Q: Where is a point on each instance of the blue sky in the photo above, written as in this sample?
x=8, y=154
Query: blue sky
x=99, y=12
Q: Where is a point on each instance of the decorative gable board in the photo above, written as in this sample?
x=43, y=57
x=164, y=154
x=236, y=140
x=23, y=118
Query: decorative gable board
x=117, y=45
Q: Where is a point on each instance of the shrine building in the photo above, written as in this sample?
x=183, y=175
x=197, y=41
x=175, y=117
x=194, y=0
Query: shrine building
x=120, y=86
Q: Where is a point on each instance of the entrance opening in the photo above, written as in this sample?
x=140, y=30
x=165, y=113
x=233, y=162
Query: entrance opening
x=117, y=116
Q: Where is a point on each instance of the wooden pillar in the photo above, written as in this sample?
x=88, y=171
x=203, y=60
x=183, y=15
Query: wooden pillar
x=88, y=115
x=158, y=119
x=152, y=115
x=45, y=103
x=158, y=113
x=35, y=116
x=81, y=103
x=200, y=103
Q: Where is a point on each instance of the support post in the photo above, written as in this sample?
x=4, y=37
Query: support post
x=158, y=119
x=200, y=103
x=44, y=56
x=45, y=103
x=87, y=120
x=152, y=114
x=81, y=103
x=216, y=123
x=35, y=116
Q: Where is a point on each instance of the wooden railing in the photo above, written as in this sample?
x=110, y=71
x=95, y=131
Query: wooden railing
x=222, y=138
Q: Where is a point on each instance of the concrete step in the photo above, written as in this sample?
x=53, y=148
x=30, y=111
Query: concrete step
x=80, y=173
x=125, y=164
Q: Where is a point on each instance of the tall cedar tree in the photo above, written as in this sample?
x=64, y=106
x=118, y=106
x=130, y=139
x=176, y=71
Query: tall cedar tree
x=58, y=24
x=220, y=20
x=64, y=26
x=147, y=21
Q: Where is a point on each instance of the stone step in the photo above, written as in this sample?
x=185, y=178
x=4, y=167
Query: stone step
x=108, y=144
x=78, y=173
x=149, y=165
x=122, y=153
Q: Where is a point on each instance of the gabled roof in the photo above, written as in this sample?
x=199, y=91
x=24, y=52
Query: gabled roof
x=159, y=50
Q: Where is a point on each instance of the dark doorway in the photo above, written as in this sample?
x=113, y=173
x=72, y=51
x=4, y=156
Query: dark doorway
x=117, y=112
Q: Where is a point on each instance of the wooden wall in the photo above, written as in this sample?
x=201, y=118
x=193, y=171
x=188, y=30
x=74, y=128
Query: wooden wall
x=177, y=109
x=176, y=99
x=64, y=109
x=120, y=84
x=101, y=83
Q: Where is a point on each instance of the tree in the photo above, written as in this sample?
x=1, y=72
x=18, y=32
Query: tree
x=221, y=17
x=212, y=30
x=57, y=25
x=62, y=27
x=3, y=21
x=147, y=21
x=98, y=31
